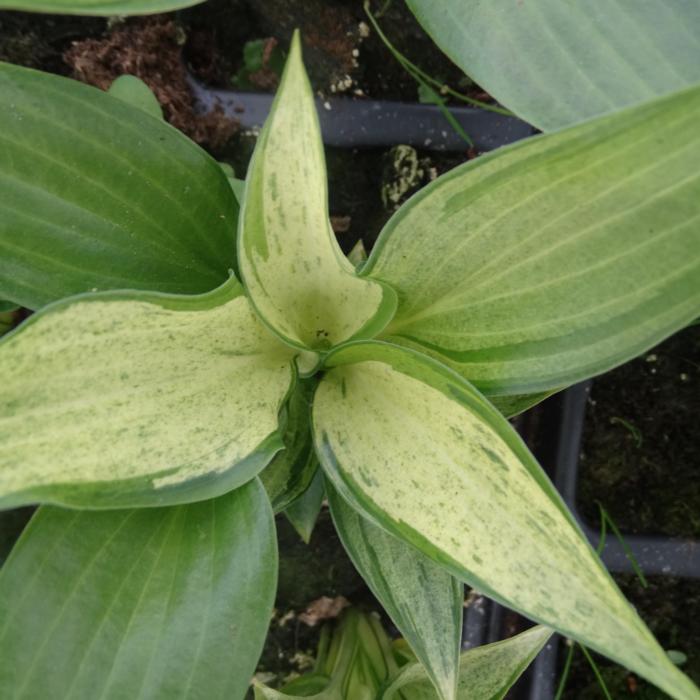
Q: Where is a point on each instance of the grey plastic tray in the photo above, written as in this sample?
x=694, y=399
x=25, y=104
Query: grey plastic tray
x=363, y=123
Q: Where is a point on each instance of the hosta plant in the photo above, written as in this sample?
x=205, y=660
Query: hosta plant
x=147, y=421
x=358, y=660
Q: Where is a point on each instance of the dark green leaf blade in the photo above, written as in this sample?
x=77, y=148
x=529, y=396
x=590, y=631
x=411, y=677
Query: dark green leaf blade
x=7, y=307
x=556, y=259
x=147, y=603
x=423, y=600
x=95, y=195
x=97, y=8
x=557, y=63
x=292, y=469
x=304, y=512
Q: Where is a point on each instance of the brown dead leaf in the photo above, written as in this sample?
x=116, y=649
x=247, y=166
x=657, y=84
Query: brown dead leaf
x=323, y=608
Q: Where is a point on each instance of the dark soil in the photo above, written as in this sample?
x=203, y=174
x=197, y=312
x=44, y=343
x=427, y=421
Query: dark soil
x=641, y=460
x=342, y=53
x=38, y=40
x=641, y=448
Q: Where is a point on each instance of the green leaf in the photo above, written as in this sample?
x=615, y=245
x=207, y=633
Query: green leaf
x=303, y=513
x=238, y=187
x=95, y=196
x=118, y=399
x=555, y=64
x=136, y=93
x=258, y=54
x=153, y=603
x=511, y=406
x=300, y=282
x=352, y=665
x=485, y=673
x=97, y=8
x=423, y=600
x=290, y=473
x=5, y=324
x=556, y=259
x=421, y=453
x=7, y=307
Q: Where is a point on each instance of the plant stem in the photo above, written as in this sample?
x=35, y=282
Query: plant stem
x=420, y=76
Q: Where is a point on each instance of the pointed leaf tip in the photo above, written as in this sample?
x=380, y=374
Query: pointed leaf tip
x=297, y=277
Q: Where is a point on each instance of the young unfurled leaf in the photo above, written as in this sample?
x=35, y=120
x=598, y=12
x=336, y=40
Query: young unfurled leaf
x=291, y=471
x=423, y=600
x=154, y=603
x=555, y=64
x=556, y=259
x=352, y=664
x=420, y=452
x=293, y=269
x=93, y=196
x=125, y=399
x=485, y=673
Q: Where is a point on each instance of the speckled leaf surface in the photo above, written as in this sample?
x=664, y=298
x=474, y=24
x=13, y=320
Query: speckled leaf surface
x=95, y=195
x=138, y=399
x=423, y=600
x=420, y=452
x=556, y=259
x=97, y=8
x=158, y=603
x=290, y=472
x=556, y=64
x=303, y=286
x=485, y=673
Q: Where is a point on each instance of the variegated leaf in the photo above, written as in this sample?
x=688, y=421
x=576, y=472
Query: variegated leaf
x=122, y=399
x=297, y=277
x=485, y=673
x=423, y=600
x=419, y=451
x=290, y=473
x=556, y=259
